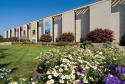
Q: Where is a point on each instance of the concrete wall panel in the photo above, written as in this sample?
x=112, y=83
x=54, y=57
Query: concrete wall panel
x=68, y=22
x=57, y=28
x=55, y=31
x=24, y=27
x=100, y=15
x=118, y=20
x=115, y=22
x=82, y=25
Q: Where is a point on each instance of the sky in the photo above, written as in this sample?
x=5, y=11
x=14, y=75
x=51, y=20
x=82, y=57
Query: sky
x=17, y=12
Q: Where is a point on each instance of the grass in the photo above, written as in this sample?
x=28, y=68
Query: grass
x=21, y=59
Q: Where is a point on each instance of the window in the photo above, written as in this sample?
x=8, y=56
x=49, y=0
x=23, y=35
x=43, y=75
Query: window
x=34, y=32
x=47, y=27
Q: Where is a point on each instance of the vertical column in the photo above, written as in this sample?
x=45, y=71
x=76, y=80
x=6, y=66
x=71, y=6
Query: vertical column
x=9, y=33
x=57, y=26
x=18, y=34
x=68, y=22
x=40, y=28
x=30, y=33
x=12, y=33
x=5, y=34
x=24, y=31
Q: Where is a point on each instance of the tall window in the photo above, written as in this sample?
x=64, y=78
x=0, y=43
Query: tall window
x=34, y=32
x=47, y=27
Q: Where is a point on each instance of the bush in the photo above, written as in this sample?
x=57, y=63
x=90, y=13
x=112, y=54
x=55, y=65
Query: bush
x=82, y=40
x=46, y=38
x=100, y=36
x=122, y=40
x=86, y=44
x=65, y=37
x=14, y=39
x=6, y=39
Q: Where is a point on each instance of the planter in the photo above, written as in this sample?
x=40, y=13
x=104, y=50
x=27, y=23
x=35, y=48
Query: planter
x=6, y=43
x=97, y=45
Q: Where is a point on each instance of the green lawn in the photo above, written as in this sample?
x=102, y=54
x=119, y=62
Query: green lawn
x=21, y=59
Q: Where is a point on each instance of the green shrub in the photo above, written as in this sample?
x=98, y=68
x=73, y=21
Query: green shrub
x=65, y=37
x=86, y=44
x=13, y=39
x=82, y=40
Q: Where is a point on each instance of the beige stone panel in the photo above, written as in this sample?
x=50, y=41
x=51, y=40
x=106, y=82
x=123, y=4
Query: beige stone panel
x=68, y=22
x=9, y=33
x=25, y=31
x=55, y=31
x=5, y=34
x=40, y=32
x=18, y=33
x=13, y=32
x=118, y=20
x=115, y=23
x=100, y=15
x=78, y=30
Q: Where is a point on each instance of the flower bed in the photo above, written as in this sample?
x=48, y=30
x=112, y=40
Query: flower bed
x=74, y=65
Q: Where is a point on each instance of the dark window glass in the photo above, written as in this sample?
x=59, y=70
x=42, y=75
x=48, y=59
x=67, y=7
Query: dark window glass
x=34, y=32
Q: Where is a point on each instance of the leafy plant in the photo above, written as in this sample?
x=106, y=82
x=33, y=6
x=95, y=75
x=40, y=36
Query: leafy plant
x=46, y=38
x=100, y=36
x=65, y=37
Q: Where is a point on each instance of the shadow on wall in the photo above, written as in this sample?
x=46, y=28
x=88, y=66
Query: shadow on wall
x=84, y=24
x=120, y=7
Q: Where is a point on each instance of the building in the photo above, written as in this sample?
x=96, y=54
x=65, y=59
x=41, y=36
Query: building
x=100, y=14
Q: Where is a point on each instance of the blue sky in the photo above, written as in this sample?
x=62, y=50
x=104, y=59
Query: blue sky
x=17, y=12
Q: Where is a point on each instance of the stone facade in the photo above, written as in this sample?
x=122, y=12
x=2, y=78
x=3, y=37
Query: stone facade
x=101, y=14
